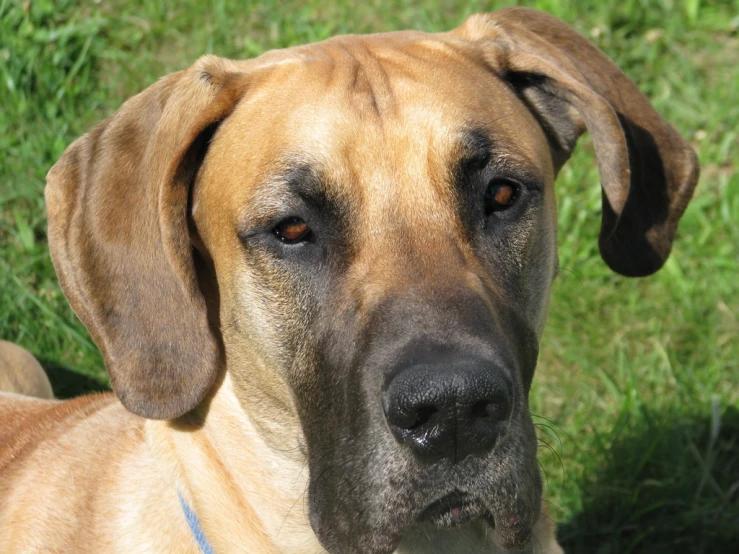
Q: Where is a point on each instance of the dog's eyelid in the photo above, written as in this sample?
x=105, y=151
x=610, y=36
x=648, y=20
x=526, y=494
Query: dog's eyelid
x=259, y=225
x=522, y=181
x=476, y=161
x=516, y=172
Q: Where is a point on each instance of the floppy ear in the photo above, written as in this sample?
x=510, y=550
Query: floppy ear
x=117, y=204
x=648, y=172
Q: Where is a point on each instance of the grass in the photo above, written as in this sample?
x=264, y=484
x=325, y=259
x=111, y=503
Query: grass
x=636, y=392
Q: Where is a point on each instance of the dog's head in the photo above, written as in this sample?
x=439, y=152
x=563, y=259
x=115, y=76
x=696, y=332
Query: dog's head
x=361, y=232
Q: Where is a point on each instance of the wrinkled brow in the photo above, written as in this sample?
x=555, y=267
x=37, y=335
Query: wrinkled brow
x=475, y=150
x=300, y=179
x=474, y=147
x=294, y=182
x=296, y=186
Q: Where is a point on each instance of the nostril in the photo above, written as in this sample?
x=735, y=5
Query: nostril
x=423, y=416
x=480, y=409
x=495, y=409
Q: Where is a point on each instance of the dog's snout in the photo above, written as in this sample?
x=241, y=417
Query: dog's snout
x=449, y=409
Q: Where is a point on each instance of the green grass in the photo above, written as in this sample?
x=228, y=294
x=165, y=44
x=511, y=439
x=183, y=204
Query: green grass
x=637, y=386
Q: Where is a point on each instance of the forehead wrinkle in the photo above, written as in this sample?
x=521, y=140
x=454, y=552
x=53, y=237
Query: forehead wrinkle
x=368, y=83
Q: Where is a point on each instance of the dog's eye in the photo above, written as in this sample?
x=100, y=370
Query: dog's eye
x=292, y=230
x=501, y=195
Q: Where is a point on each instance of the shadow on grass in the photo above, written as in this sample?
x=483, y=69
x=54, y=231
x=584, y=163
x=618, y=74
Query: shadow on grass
x=68, y=383
x=670, y=484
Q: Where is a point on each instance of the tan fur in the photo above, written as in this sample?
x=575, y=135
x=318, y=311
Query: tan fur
x=21, y=373
x=199, y=349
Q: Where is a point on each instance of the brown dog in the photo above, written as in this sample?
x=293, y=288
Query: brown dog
x=319, y=278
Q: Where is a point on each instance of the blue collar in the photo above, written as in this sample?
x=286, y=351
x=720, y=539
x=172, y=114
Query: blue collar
x=194, y=523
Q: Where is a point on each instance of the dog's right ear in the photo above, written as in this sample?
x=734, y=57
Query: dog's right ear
x=117, y=204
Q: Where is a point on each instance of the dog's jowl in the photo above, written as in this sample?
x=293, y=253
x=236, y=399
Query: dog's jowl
x=319, y=279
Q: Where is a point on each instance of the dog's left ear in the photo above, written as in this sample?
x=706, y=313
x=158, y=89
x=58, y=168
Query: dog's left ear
x=648, y=171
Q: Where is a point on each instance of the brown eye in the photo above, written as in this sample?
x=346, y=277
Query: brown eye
x=292, y=230
x=500, y=196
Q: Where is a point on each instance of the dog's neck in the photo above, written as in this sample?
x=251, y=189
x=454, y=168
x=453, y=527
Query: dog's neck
x=241, y=507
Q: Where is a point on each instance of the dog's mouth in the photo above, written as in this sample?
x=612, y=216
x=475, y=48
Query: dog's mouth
x=506, y=516
x=489, y=500
x=456, y=509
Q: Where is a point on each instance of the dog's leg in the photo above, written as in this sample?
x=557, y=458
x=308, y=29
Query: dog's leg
x=21, y=373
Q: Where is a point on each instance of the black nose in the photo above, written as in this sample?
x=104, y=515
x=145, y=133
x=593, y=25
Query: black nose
x=448, y=409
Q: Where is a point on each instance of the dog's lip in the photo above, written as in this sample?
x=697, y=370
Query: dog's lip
x=455, y=509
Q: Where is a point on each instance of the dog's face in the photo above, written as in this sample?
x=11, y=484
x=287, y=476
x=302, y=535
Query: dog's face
x=362, y=233
x=384, y=250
